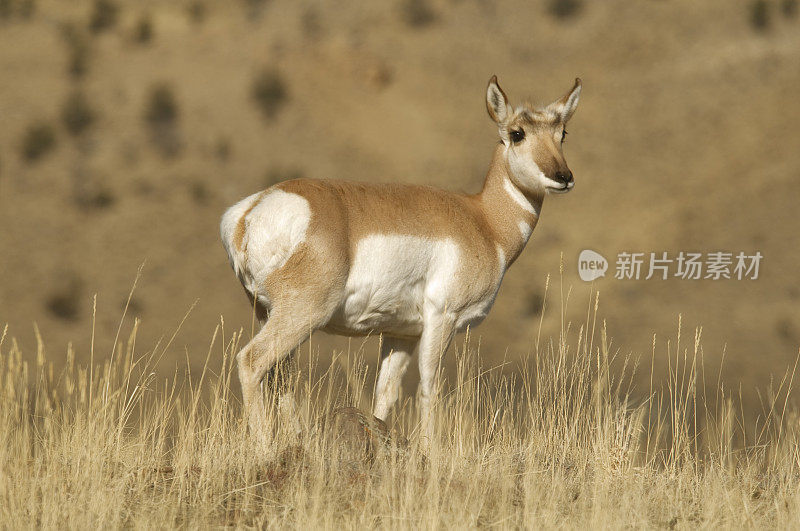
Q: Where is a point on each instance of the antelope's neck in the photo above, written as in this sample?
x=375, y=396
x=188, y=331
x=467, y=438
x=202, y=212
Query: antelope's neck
x=511, y=214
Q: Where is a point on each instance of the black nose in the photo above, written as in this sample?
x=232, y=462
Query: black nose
x=564, y=177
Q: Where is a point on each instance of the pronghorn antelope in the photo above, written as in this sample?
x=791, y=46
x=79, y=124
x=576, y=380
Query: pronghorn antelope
x=413, y=263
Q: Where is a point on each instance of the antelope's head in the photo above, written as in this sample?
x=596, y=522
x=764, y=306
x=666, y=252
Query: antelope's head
x=534, y=139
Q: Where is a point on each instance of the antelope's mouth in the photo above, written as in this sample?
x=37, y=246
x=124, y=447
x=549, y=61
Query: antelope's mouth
x=561, y=189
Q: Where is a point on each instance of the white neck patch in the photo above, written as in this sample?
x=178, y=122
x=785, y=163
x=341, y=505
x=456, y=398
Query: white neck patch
x=525, y=230
x=501, y=257
x=519, y=197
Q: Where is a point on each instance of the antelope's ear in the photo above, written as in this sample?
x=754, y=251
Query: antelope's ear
x=565, y=107
x=497, y=102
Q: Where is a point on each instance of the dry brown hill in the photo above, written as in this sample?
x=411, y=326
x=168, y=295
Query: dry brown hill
x=128, y=128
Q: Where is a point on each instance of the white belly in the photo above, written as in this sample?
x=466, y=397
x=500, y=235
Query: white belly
x=393, y=280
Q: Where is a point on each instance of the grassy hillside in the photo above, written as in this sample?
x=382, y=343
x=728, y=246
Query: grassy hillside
x=561, y=444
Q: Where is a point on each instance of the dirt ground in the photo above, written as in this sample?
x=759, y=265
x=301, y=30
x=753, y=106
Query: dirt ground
x=129, y=127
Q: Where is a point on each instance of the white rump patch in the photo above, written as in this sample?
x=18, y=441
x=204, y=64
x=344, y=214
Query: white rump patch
x=229, y=222
x=273, y=230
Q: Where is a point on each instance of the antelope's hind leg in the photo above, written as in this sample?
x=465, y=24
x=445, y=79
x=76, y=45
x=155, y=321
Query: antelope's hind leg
x=303, y=295
x=271, y=351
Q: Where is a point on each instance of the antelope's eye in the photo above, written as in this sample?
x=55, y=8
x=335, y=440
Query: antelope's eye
x=563, y=135
x=517, y=136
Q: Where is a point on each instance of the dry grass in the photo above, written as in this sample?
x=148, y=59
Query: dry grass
x=562, y=444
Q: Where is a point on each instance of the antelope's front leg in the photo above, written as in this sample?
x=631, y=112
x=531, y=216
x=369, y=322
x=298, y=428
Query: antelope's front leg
x=395, y=355
x=438, y=331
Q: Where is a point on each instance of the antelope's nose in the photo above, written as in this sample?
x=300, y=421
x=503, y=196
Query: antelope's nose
x=565, y=178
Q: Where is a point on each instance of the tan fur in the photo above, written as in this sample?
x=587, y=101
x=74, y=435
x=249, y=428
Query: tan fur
x=345, y=212
x=488, y=229
x=547, y=152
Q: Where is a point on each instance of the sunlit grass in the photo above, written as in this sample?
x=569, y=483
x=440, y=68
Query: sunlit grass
x=562, y=442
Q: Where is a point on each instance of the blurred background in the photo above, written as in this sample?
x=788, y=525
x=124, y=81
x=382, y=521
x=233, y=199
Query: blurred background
x=129, y=126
